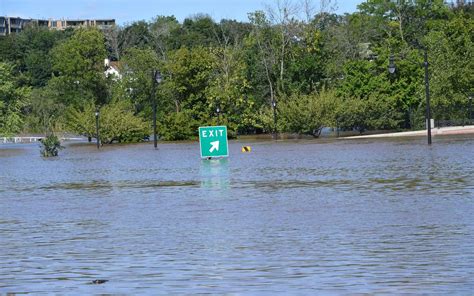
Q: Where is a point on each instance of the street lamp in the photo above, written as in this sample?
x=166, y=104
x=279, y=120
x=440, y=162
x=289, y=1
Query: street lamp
x=391, y=64
x=470, y=109
x=97, y=126
x=157, y=79
x=274, y=104
x=392, y=69
x=427, y=93
x=218, y=110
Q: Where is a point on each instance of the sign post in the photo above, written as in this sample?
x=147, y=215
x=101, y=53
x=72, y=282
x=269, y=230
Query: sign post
x=213, y=141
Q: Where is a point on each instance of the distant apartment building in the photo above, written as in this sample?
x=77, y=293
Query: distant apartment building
x=11, y=25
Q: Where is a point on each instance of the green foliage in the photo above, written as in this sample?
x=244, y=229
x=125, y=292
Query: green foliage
x=50, y=146
x=82, y=121
x=135, y=35
x=178, y=126
x=191, y=71
x=308, y=114
x=230, y=91
x=326, y=70
x=371, y=100
x=78, y=64
x=12, y=101
x=35, y=44
x=45, y=113
x=451, y=62
x=138, y=66
x=198, y=31
x=117, y=123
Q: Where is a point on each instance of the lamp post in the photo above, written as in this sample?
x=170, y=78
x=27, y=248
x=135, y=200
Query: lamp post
x=470, y=109
x=392, y=69
x=274, y=104
x=391, y=64
x=218, y=110
x=156, y=80
x=427, y=93
x=97, y=126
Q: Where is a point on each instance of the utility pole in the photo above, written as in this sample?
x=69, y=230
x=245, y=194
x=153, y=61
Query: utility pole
x=156, y=76
x=427, y=92
x=97, y=127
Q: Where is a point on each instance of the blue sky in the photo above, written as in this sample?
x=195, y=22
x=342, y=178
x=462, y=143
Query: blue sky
x=125, y=11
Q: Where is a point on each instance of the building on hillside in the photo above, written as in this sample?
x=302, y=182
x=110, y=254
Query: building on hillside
x=11, y=25
x=3, y=26
x=65, y=24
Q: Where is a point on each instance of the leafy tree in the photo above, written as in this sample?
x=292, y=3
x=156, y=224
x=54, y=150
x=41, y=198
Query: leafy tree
x=198, y=31
x=135, y=35
x=13, y=99
x=229, y=89
x=45, y=112
x=138, y=66
x=35, y=44
x=177, y=126
x=112, y=37
x=262, y=56
x=78, y=65
x=117, y=122
x=451, y=56
x=50, y=146
x=191, y=70
x=308, y=114
x=164, y=30
x=369, y=98
x=306, y=61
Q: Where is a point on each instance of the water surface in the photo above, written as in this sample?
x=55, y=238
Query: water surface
x=291, y=217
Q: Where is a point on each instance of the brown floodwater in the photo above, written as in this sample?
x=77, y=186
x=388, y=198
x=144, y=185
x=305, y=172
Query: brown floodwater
x=291, y=217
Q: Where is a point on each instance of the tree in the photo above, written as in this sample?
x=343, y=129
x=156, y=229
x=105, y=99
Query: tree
x=191, y=71
x=198, y=31
x=308, y=114
x=135, y=35
x=117, y=122
x=451, y=55
x=163, y=29
x=261, y=54
x=112, y=37
x=229, y=90
x=371, y=101
x=137, y=67
x=13, y=99
x=78, y=65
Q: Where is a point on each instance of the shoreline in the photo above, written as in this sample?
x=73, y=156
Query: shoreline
x=443, y=131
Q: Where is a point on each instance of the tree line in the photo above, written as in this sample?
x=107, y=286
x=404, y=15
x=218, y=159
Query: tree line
x=289, y=68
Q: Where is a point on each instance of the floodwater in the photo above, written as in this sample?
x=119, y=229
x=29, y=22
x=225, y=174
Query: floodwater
x=291, y=217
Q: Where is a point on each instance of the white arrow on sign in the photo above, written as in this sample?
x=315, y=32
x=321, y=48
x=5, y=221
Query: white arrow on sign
x=215, y=146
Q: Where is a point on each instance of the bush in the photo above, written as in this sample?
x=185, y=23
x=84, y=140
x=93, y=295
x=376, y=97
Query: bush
x=117, y=123
x=178, y=126
x=307, y=114
x=50, y=146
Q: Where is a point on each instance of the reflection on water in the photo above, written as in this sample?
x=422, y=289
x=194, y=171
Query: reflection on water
x=292, y=217
x=214, y=173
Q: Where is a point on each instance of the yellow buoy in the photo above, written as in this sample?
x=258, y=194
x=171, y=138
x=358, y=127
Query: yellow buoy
x=246, y=149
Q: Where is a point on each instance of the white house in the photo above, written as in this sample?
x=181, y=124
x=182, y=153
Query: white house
x=111, y=68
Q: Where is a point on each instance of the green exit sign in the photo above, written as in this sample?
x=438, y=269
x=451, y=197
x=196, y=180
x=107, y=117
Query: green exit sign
x=213, y=141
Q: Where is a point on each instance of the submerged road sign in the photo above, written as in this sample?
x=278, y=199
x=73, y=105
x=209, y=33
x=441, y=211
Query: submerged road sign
x=213, y=141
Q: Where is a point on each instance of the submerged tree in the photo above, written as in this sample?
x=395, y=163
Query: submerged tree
x=50, y=146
